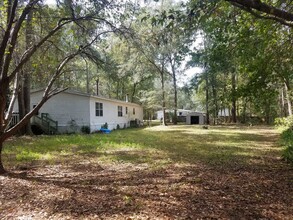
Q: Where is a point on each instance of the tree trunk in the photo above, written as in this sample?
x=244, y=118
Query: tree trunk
x=24, y=100
x=207, y=100
x=24, y=103
x=287, y=89
x=21, y=106
x=27, y=100
x=282, y=103
x=117, y=90
x=163, y=101
x=233, y=110
x=2, y=170
x=175, y=118
x=244, y=112
x=27, y=75
x=133, y=92
x=97, y=87
x=122, y=93
x=215, y=100
x=267, y=112
x=175, y=91
x=87, y=77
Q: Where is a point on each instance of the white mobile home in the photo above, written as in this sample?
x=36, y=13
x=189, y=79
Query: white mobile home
x=72, y=110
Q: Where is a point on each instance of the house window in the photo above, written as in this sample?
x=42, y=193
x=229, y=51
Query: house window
x=120, y=111
x=126, y=110
x=99, y=109
x=134, y=111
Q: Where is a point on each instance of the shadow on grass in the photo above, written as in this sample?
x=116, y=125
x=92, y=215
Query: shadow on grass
x=210, y=147
x=180, y=144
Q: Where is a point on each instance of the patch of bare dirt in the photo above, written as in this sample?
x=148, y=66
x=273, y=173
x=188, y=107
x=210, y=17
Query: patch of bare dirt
x=85, y=190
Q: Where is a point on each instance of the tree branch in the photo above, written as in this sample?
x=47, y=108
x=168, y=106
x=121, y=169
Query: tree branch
x=8, y=114
x=10, y=17
x=29, y=52
x=48, y=93
x=282, y=16
x=12, y=39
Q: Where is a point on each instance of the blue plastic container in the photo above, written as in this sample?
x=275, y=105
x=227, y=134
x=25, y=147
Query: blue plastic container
x=105, y=131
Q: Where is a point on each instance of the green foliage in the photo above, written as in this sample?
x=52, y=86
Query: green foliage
x=288, y=154
x=85, y=129
x=287, y=137
x=284, y=123
x=252, y=54
x=28, y=156
x=287, y=141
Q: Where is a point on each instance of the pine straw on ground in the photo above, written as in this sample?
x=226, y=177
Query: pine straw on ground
x=90, y=189
x=124, y=191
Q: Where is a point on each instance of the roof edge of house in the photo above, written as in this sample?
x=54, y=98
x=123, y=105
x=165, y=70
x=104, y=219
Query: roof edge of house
x=74, y=92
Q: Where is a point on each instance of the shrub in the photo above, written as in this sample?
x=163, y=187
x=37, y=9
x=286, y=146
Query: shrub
x=288, y=154
x=287, y=141
x=118, y=126
x=85, y=129
x=287, y=137
x=285, y=122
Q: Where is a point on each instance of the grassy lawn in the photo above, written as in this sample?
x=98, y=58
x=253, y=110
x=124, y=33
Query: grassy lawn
x=173, y=172
x=154, y=146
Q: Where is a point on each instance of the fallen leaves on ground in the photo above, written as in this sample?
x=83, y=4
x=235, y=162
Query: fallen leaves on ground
x=89, y=190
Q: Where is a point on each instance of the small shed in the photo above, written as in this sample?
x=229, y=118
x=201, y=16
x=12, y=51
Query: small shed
x=180, y=112
x=195, y=118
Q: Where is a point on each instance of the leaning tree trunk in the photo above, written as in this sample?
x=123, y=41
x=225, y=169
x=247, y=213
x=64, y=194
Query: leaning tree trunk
x=3, y=107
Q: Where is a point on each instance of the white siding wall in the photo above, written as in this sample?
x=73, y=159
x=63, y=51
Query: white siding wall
x=139, y=113
x=64, y=108
x=110, y=114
